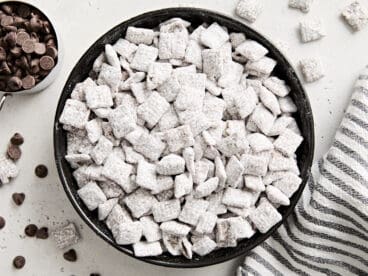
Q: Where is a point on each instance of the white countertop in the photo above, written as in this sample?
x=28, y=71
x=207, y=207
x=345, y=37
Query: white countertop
x=80, y=23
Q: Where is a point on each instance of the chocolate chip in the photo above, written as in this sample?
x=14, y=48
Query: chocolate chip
x=17, y=139
x=41, y=171
x=70, y=255
x=18, y=198
x=14, y=83
x=10, y=39
x=2, y=222
x=35, y=24
x=6, y=21
x=31, y=230
x=6, y=8
x=19, y=262
x=24, y=11
x=4, y=68
x=35, y=65
x=14, y=152
x=51, y=51
x=40, y=48
x=21, y=37
x=28, y=82
x=3, y=54
x=95, y=274
x=42, y=233
x=16, y=51
x=47, y=63
x=28, y=46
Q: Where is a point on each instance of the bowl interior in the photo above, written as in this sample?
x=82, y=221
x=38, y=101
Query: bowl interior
x=196, y=17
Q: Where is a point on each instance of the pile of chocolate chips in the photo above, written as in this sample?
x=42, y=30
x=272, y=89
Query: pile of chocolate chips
x=28, y=47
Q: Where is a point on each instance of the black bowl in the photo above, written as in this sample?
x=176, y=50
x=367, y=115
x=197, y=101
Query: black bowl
x=196, y=17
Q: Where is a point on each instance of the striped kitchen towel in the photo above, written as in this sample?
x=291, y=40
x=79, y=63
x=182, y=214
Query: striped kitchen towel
x=328, y=232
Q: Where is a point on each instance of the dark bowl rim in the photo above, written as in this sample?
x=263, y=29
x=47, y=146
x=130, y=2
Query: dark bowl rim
x=308, y=161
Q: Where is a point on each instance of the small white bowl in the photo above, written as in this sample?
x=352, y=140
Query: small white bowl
x=43, y=84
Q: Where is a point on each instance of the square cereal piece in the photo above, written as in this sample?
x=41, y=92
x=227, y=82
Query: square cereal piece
x=151, y=230
x=140, y=91
x=104, y=209
x=152, y=109
x=150, y=146
x=288, y=142
x=174, y=228
x=231, y=74
x=158, y=73
x=254, y=183
x=356, y=15
x=303, y=5
x=146, y=175
x=145, y=249
x=234, y=172
x=288, y=184
x=91, y=195
x=179, y=138
x=214, y=36
x=183, y=185
x=118, y=215
x=169, y=120
x=171, y=164
x=165, y=195
x=139, y=35
x=196, y=34
x=287, y=105
x=260, y=68
x=111, y=56
x=125, y=49
x=164, y=183
x=102, y=150
x=275, y=196
x=131, y=156
x=204, y=246
x=143, y=57
x=263, y=118
x=279, y=162
x=213, y=108
x=206, y=223
x=312, y=69
x=75, y=114
x=78, y=92
x=122, y=121
x=66, y=236
x=270, y=101
x=127, y=233
x=225, y=234
x=118, y=171
x=232, y=145
x=236, y=39
x=192, y=210
x=251, y=50
x=166, y=210
x=201, y=171
x=276, y=86
x=94, y=130
x=265, y=216
x=311, y=30
x=249, y=10
x=110, y=189
x=215, y=203
x=241, y=228
x=172, y=45
x=197, y=121
x=255, y=164
x=259, y=142
x=206, y=188
x=98, y=97
x=193, y=54
x=8, y=170
x=172, y=243
x=238, y=198
x=110, y=76
x=213, y=63
x=140, y=202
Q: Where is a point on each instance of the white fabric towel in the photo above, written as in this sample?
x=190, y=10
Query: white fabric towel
x=328, y=232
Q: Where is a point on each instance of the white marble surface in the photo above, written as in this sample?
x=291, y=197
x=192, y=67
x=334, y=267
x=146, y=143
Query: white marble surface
x=80, y=23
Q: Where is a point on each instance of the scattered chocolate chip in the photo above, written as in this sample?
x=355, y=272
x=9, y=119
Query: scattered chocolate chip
x=14, y=83
x=42, y=233
x=2, y=222
x=40, y=48
x=70, y=255
x=17, y=139
x=24, y=11
x=18, y=198
x=35, y=65
x=10, y=39
x=41, y=171
x=19, y=262
x=28, y=82
x=7, y=9
x=14, y=152
x=31, y=230
x=4, y=68
x=6, y=20
x=21, y=37
x=47, y=63
x=95, y=274
x=16, y=51
x=28, y=46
